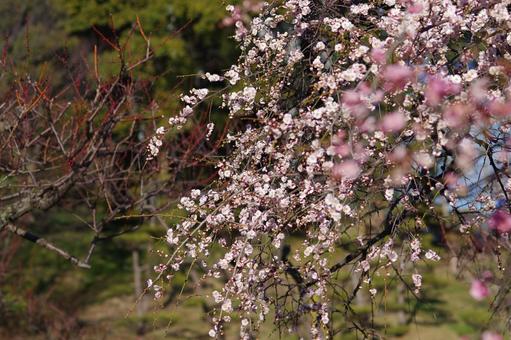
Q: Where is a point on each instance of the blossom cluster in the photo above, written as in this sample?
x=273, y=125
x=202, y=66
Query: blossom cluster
x=362, y=122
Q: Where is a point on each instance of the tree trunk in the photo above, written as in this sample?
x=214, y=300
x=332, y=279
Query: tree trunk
x=137, y=276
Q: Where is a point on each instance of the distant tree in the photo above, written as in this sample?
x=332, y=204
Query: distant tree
x=83, y=85
x=185, y=38
x=82, y=146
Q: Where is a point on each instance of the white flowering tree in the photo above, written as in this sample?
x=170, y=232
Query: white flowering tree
x=365, y=127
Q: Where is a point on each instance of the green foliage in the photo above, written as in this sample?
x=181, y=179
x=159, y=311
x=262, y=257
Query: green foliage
x=12, y=306
x=184, y=35
x=397, y=330
x=32, y=42
x=463, y=329
x=475, y=317
x=156, y=320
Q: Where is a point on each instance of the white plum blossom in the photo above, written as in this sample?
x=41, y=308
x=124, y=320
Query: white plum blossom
x=417, y=281
x=212, y=77
x=227, y=306
x=170, y=237
x=349, y=143
x=432, y=255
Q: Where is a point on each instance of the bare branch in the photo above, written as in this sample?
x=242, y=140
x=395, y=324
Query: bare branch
x=27, y=235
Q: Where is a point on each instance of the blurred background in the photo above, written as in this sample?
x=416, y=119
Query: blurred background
x=42, y=296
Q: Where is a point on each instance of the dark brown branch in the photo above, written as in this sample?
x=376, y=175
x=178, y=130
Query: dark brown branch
x=27, y=235
x=496, y=170
x=389, y=226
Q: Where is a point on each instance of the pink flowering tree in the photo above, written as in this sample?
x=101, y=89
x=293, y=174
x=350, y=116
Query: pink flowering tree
x=363, y=129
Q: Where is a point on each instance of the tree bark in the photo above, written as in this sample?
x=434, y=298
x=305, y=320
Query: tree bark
x=137, y=277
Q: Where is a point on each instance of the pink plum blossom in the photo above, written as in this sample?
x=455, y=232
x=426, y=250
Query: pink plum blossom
x=378, y=55
x=478, y=290
x=348, y=170
x=439, y=88
x=499, y=109
x=489, y=335
x=397, y=76
x=456, y=115
x=500, y=221
x=351, y=98
x=393, y=122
